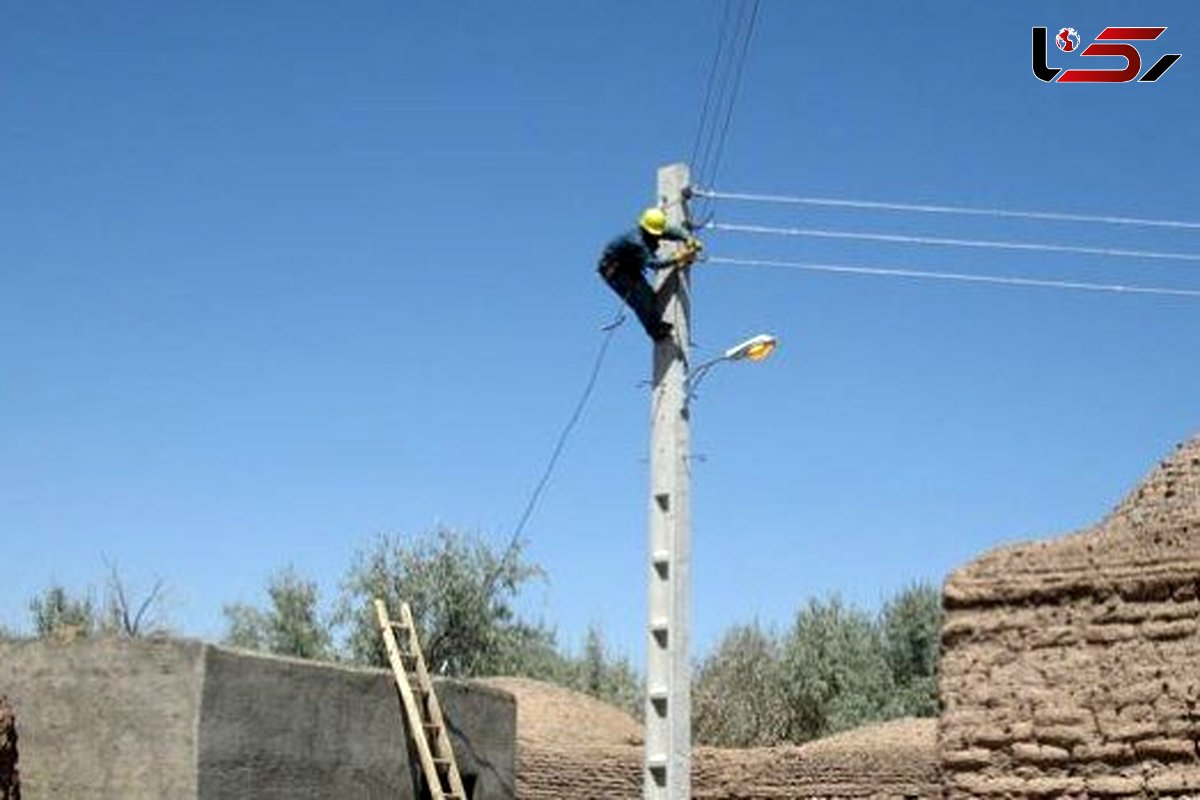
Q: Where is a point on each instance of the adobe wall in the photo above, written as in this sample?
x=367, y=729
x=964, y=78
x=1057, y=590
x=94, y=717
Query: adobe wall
x=114, y=718
x=105, y=718
x=615, y=772
x=10, y=783
x=1071, y=668
x=573, y=746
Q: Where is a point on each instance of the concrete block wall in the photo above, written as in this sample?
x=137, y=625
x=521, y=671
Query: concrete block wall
x=1071, y=668
x=121, y=719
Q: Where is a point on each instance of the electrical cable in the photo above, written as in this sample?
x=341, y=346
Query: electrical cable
x=725, y=76
x=725, y=71
x=708, y=90
x=737, y=80
x=1052, y=216
x=948, y=242
x=515, y=541
x=951, y=276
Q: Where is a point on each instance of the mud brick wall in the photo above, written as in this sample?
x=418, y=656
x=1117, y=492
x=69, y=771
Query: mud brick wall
x=1071, y=668
x=573, y=746
x=837, y=772
x=890, y=761
x=10, y=785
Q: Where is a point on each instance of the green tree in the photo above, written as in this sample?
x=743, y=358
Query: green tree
x=463, y=596
x=739, y=697
x=292, y=626
x=58, y=612
x=911, y=624
x=55, y=612
x=836, y=673
x=603, y=675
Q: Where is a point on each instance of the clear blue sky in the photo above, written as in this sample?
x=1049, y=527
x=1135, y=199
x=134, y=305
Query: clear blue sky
x=278, y=277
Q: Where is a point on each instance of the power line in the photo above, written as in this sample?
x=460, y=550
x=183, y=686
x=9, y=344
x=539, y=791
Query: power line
x=1053, y=216
x=725, y=58
x=724, y=82
x=708, y=90
x=515, y=541
x=951, y=276
x=737, y=80
x=948, y=242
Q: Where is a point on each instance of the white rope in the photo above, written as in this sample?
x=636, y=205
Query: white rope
x=1054, y=216
x=935, y=240
x=951, y=276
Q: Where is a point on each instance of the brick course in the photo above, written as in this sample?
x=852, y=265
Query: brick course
x=1071, y=668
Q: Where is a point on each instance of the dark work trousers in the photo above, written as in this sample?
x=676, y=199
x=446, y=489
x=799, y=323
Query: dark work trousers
x=637, y=293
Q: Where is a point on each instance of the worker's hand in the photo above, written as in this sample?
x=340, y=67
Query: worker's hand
x=688, y=252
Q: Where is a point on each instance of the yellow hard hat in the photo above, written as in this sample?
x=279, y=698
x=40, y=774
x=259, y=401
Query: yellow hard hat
x=653, y=221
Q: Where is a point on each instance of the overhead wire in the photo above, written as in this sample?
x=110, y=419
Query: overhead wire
x=952, y=276
x=726, y=48
x=560, y=444
x=702, y=125
x=896, y=238
x=722, y=88
x=737, y=81
x=1051, y=216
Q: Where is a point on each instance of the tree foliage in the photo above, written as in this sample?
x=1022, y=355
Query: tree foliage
x=56, y=612
x=60, y=613
x=463, y=598
x=738, y=697
x=837, y=667
x=835, y=673
x=600, y=673
x=911, y=626
x=291, y=626
x=463, y=594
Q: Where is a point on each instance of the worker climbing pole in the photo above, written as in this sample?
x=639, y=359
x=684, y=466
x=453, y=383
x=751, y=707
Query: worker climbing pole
x=626, y=259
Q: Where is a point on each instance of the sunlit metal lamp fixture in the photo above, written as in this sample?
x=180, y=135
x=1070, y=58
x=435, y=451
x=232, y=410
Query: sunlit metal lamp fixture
x=755, y=349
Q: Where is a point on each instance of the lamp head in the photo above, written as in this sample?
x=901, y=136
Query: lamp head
x=756, y=348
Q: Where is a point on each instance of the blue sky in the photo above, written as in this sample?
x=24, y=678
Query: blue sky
x=277, y=280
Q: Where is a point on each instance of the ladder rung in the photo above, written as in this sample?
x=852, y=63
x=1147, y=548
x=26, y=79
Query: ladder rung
x=410, y=674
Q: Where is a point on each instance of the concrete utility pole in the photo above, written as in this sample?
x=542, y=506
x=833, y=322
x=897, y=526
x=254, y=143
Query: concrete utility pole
x=667, y=773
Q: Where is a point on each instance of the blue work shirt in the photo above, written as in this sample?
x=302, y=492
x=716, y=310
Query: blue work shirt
x=631, y=254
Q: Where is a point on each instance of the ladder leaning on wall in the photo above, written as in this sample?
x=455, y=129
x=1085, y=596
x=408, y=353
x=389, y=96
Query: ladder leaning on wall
x=425, y=722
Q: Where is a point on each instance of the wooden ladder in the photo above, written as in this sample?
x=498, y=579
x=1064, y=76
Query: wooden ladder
x=425, y=722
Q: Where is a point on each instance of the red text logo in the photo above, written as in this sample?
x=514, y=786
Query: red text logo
x=1110, y=42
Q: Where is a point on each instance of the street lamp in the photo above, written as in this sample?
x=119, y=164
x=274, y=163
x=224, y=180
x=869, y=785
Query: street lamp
x=756, y=348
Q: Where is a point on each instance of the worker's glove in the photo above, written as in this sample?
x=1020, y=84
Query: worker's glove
x=688, y=252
